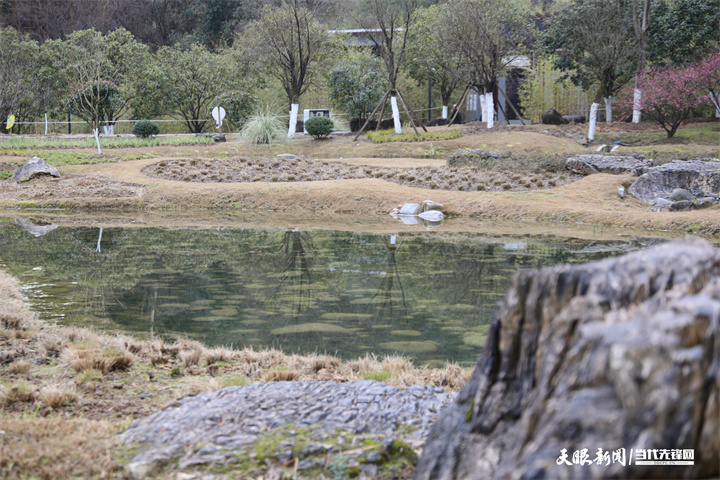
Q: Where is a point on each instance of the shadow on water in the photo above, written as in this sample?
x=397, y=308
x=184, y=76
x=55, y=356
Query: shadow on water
x=429, y=295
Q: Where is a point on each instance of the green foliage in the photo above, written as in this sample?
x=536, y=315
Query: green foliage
x=17, y=64
x=238, y=106
x=95, y=103
x=319, y=127
x=546, y=87
x=103, y=70
x=384, y=136
x=264, y=127
x=683, y=30
x=357, y=83
x=145, y=129
x=185, y=84
x=594, y=43
x=433, y=52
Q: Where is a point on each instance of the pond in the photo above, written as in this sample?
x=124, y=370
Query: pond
x=427, y=295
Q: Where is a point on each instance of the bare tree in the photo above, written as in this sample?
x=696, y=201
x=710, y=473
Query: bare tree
x=291, y=46
x=390, y=32
x=489, y=36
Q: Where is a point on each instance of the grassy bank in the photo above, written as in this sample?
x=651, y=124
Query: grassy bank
x=66, y=392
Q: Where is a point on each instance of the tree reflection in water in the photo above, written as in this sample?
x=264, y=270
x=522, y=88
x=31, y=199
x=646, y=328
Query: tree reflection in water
x=385, y=303
x=296, y=278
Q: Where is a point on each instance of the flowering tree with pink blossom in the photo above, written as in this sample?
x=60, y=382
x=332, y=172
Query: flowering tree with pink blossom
x=670, y=95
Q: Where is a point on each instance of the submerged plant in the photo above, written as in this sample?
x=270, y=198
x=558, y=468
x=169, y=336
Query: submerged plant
x=263, y=128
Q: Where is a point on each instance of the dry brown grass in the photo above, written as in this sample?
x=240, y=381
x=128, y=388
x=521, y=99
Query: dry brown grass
x=21, y=367
x=281, y=376
x=56, y=396
x=83, y=359
x=57, y=448
x=19, y=392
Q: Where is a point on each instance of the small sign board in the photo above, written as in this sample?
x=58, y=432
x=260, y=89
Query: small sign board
x=218, y=113
x=314, y=112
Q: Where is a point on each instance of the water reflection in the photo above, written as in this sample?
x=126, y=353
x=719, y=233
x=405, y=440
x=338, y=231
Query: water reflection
x=429, y=295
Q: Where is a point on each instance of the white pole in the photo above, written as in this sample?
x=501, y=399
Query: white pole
x=293, y=120
x=636, y=106
x=396, y=114
x=46, y=124
x=593, y=118
x=608, y=109
x=445, y=111
x=97, y=140
x=490, y=106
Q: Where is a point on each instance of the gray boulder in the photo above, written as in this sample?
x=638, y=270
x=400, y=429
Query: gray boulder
x=698, y=174
x=430, y=205
x=589, y=164
x=218, y=137
x=34, y=167
x=679, y=194
x=621, y=355
x=553, y=117
x=575, y=118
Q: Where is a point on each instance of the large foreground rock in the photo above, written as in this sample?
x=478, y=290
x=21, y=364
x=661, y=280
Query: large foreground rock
x=618, y=354
x=659, y=182
x=589, y=164
x=34, y=167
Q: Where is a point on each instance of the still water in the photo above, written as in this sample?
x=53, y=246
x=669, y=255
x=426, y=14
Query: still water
x=427, y=295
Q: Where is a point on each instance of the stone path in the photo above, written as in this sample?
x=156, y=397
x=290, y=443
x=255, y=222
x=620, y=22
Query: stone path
x=364, y=422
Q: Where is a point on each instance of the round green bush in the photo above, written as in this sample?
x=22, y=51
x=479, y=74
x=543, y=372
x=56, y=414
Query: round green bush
x=319, y=127
x=145, y=129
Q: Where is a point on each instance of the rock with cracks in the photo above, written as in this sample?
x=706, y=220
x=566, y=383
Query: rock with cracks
x=589, y=164
x=659, y=182
x=618, y=354
x=34, y=167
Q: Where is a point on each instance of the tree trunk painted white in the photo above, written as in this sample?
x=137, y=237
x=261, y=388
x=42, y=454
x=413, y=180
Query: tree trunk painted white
x=293, y=120
x=608, y=109
x=445, y=112
x=715, y=99
x=46, y=124
x=490, y=110
x=636, y=106
x=396, y=114
x=97, y=140
x=593, y=119
x=99, y=240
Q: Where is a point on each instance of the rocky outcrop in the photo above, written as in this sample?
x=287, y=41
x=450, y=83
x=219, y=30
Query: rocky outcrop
x=621, y=355
x=701, y=176
x=314, y=420
x=589, y=164
x=553, y=117
x=34, y=167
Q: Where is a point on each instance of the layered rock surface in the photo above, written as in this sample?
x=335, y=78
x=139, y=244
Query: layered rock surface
x=659, y=182
x=618, y=354
x=589, y=164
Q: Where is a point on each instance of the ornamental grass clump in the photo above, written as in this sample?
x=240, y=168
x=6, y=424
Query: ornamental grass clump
x=263, y=128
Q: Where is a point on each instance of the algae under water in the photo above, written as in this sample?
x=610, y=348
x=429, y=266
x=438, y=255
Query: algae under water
x=427, y=295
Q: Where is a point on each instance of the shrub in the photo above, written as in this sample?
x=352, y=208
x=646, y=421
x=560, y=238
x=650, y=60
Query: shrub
x=319, y=127
x=264, y=127
x=145, y=129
